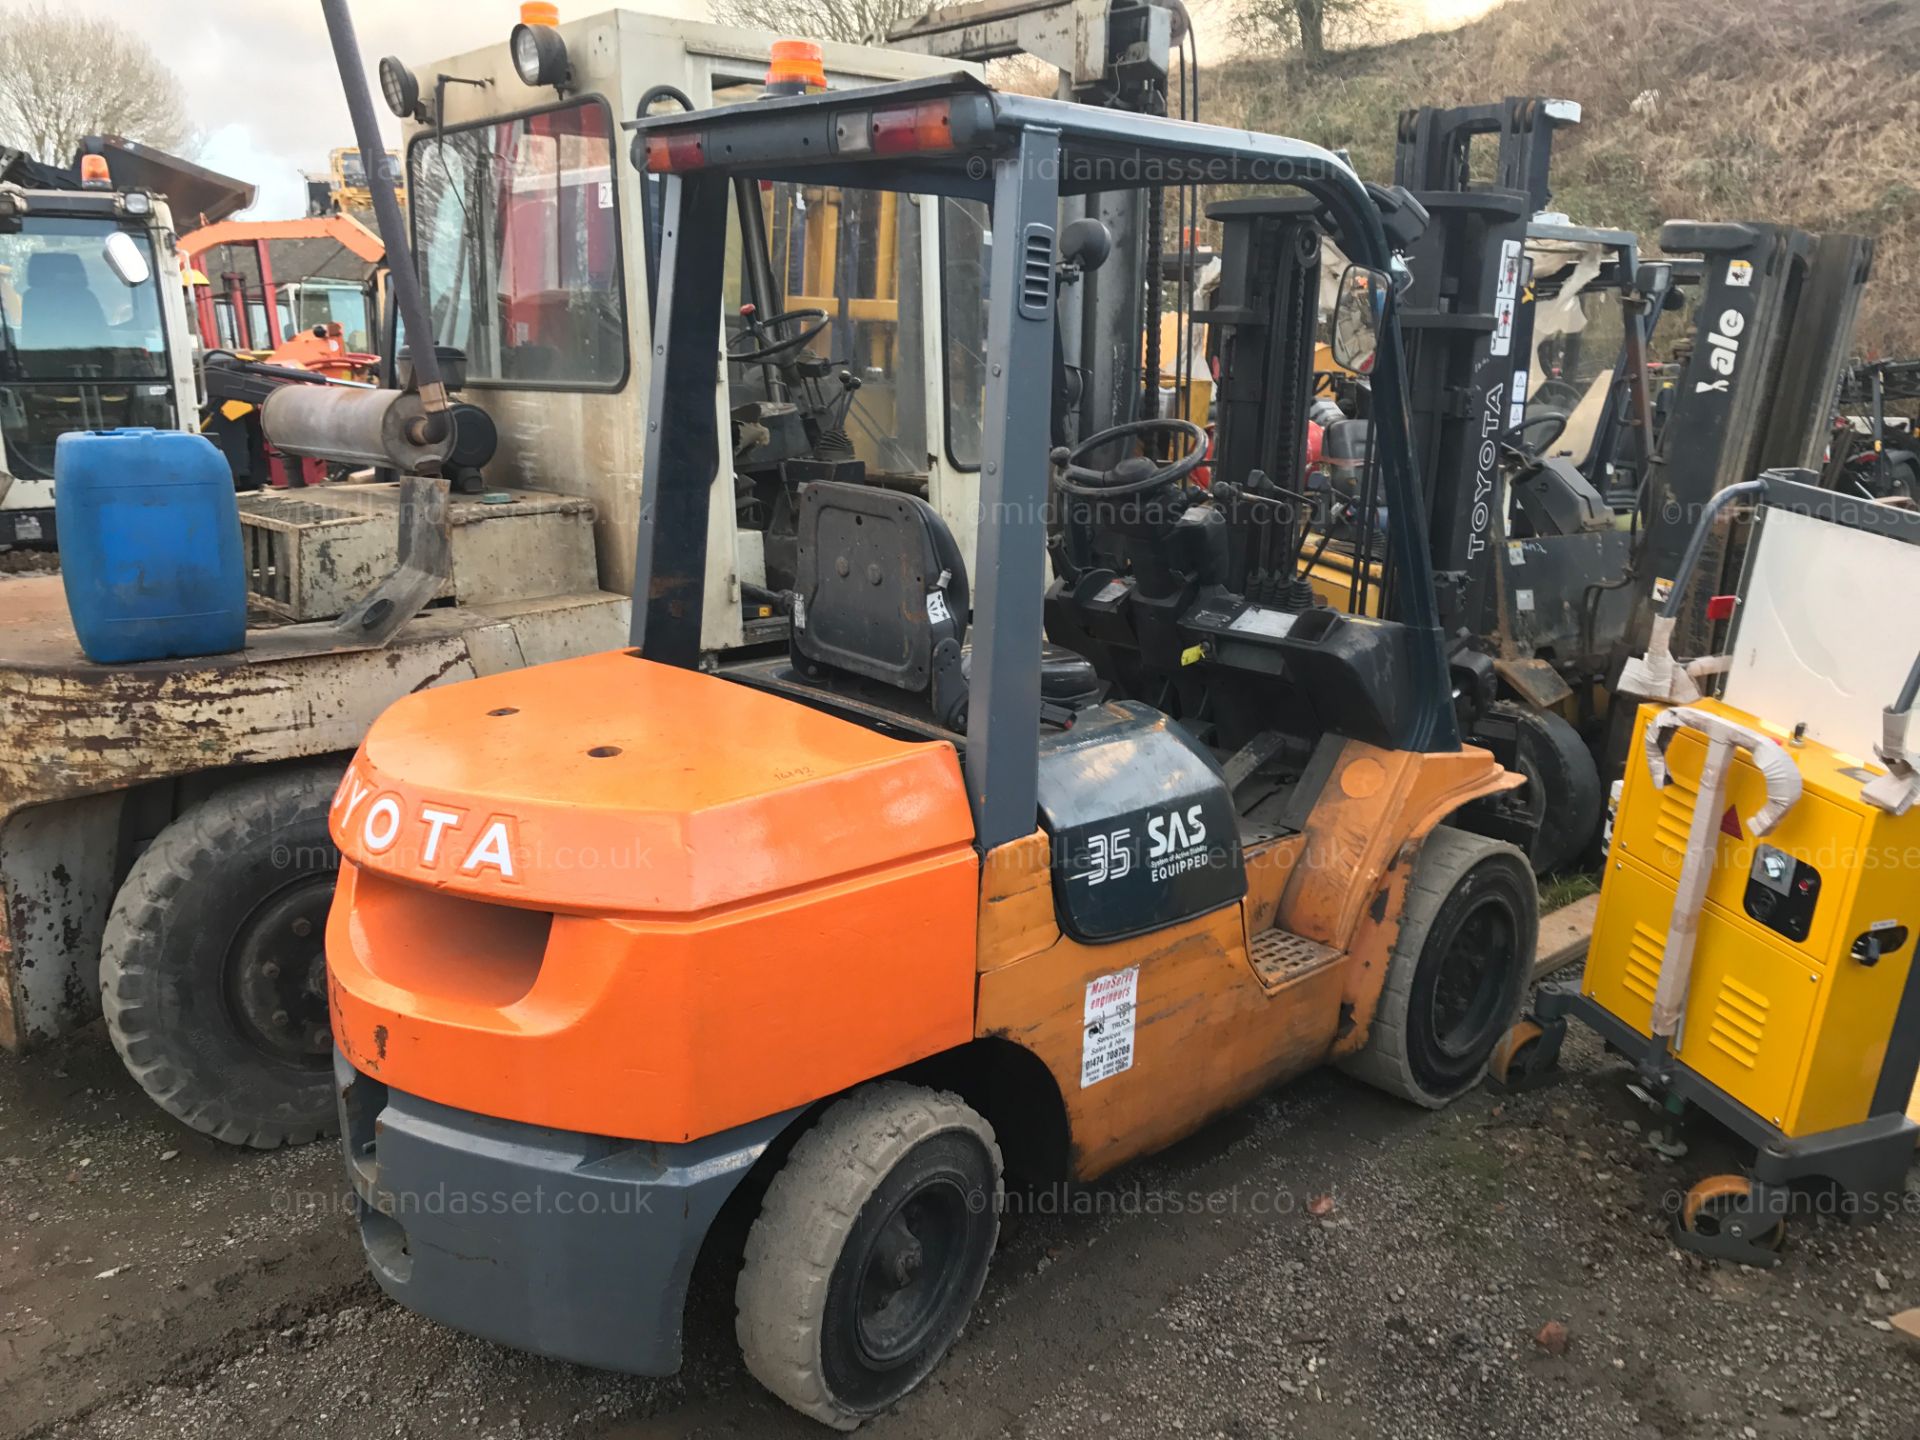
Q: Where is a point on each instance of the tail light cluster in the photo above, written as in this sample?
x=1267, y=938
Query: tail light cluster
x=920, y=128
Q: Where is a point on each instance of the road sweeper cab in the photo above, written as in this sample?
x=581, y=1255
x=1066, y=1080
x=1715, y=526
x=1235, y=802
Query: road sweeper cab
x=850, y=930
x=94, y=330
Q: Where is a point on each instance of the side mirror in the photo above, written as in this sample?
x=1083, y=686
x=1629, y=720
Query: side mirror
x=1356, y=318
x=123, y=257
x=1086, y=242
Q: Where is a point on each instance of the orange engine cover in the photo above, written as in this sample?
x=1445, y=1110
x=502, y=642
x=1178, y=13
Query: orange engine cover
x=629, y=899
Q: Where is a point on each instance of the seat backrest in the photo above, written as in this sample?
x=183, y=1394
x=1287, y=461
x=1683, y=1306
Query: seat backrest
x=882, y=590
x=58, y=310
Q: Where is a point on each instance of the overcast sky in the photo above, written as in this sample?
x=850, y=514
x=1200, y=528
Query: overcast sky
x=259, y=78
x=261, y=88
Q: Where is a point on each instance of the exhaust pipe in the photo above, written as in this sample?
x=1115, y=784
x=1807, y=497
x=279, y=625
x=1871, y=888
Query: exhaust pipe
x=412, y=428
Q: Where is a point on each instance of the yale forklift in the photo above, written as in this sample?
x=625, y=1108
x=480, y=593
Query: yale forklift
x=856, y=930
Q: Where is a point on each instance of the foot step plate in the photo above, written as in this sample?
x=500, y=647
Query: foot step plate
x=1279, y=956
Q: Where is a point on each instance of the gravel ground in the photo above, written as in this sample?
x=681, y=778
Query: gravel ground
x=1325, y=1263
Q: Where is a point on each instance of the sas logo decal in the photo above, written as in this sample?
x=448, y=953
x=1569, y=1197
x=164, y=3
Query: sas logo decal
x=1176, y=843
x=430, y=838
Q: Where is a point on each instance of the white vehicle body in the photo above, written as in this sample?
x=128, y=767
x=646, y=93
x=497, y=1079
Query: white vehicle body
x=79, y=348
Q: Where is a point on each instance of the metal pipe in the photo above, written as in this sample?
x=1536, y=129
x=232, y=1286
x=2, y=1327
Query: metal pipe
x=435, y=424
x=349, y=425
x=1697, y=542
x=649, y=192
x=1910, y=691
x=269, y=295
x=757, y=262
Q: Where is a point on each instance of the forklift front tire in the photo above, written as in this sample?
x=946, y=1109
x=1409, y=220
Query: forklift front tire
x=213, y=964
x=1458, y=971
x=869, y=1251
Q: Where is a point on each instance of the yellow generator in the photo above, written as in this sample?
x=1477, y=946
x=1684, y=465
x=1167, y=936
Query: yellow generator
x=1754, y=948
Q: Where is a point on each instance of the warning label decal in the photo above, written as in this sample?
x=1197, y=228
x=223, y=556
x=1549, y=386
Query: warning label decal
x=1506, y=297
x=1106, y=1045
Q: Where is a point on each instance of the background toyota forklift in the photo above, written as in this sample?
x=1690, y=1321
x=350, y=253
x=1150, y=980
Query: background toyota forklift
x=925, y=898
x=1543, y=583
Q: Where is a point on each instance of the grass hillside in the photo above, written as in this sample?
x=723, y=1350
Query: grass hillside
x=1802, y=111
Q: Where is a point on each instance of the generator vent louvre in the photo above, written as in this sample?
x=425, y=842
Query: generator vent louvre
x=1674, y=821
x=1641, y=974
x=1739, y=1022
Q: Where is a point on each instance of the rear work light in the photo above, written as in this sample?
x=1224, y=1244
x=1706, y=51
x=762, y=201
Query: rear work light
x=685, y=150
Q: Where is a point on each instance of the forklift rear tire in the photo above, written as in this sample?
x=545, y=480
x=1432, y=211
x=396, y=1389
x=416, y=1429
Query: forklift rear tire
x=1563, y=787
x=1458, y=972
x=213, y=964
x=869, y=1251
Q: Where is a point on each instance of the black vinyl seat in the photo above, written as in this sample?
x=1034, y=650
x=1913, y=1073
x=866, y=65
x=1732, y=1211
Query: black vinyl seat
x=881, y=593
x=1066, y=676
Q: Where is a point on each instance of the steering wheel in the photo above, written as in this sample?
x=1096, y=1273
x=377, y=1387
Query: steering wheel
x=1531, y=452
x=1134, y=474
x=811, y=321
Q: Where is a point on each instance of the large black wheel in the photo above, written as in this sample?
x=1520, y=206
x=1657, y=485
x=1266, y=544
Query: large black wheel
x=870, y=1248
x=213, y=970
x=1458, y=971
x=1563, y=797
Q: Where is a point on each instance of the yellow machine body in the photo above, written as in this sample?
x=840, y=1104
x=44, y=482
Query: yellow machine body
x=1794, y=1026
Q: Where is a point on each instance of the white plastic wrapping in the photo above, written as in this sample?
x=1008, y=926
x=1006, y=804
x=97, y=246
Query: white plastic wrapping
x=1782, y=777
x=1657, y=675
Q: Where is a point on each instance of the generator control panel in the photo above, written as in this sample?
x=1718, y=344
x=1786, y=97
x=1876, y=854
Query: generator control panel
x=1782, y=892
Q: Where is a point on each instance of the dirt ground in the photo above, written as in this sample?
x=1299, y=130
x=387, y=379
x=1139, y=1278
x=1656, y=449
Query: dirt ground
x=155, y=1285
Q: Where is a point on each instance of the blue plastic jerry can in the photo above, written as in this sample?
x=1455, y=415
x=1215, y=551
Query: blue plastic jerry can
x=149, y=544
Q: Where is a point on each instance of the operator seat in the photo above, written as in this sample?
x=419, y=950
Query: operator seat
x=58, y=309
x=881, y=593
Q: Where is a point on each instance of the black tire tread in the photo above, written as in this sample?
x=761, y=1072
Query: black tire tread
x=130, y=977
x=1574, y=817
x=1444, y=861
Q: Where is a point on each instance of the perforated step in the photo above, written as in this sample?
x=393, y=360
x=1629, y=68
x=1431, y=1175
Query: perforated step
x=1280, y=956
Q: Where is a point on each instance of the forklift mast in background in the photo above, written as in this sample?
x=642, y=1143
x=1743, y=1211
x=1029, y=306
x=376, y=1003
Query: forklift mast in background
x=1469, y=336
x=1117, y=55
x=1773, y=325
x=1434, y=148
x=1262, y=327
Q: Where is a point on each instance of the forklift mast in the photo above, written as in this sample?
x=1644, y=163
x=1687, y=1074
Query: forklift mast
x=1469, y=336
x=1116, y=55
x=1263, y=324
x=1772, y=328
x=1434, y=147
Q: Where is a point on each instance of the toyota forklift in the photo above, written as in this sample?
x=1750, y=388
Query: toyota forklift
x=850, y=933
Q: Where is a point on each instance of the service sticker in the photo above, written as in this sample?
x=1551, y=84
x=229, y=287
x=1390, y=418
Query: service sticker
x=1106, y=1046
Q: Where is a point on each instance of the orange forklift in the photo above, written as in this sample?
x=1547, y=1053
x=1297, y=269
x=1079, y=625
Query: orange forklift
x=851, y=932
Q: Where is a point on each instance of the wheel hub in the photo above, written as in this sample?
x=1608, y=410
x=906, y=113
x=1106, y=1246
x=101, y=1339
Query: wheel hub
x=277, y=973
x=1466, y=1001
x=909, y=1269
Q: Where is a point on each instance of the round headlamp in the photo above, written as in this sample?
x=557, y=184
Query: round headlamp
x=539, y=54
